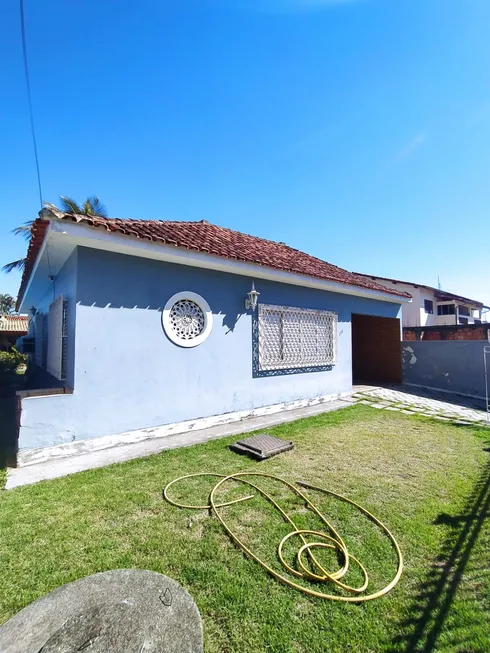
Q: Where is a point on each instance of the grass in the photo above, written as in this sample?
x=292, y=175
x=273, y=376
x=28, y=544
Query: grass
x=429, y=481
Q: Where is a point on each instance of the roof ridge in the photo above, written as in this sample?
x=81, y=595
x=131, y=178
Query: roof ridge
x=203, y=222
x=210, y=224
x=208, y=238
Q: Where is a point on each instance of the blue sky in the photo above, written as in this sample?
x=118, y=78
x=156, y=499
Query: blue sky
x=358, y=131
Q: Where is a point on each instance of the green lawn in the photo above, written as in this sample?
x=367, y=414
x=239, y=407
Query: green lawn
x=428, y=481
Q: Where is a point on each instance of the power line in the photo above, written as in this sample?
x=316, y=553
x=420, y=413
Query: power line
x=28, y=85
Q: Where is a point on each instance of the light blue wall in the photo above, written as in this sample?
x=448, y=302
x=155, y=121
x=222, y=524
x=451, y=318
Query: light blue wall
x=129, y=375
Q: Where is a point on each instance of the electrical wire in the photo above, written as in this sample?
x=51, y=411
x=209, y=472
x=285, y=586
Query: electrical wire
x=322, y=540
x=29, y=97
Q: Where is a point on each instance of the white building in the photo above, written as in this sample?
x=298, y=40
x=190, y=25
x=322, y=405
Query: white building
x=433, y=307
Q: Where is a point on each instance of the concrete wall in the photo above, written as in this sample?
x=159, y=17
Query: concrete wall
x=454, y=366
x=128, y=375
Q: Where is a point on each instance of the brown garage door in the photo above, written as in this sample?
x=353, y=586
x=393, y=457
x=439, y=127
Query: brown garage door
x=376, y=349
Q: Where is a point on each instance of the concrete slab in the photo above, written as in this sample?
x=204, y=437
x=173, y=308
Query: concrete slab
x=73, y=464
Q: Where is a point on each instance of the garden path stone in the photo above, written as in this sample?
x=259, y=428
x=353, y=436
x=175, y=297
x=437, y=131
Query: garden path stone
x=127, y=610
x=430, y=406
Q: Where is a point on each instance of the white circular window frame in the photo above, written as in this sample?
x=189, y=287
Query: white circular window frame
x=208, y=319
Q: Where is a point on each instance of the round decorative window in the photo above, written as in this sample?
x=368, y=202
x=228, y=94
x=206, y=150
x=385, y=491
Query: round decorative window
x=187, y=319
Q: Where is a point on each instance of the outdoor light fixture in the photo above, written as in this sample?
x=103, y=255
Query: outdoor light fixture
x=252, y=298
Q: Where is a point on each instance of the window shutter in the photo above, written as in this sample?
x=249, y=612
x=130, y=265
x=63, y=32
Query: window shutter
x=56, y=335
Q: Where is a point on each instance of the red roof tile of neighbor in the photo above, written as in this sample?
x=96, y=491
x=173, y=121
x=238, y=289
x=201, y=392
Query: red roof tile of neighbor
x=210, y=239
x=14, y=323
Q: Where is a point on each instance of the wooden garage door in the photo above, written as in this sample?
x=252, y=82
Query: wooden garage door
x=376, y=349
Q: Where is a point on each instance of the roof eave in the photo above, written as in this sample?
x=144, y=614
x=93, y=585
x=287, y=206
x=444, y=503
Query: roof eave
x=68, y=233
x=89, y=236
x=450, y=295
x=28, y=275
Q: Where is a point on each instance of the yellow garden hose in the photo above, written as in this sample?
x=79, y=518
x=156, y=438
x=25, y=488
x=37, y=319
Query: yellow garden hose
x=322, y=540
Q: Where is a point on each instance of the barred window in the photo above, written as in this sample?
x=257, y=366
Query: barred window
x=56, y=354
x=296, y=337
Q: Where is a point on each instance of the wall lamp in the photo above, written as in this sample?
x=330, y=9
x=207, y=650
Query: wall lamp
x=252, y=298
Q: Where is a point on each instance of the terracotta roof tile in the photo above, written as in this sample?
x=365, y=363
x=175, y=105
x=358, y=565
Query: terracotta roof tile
x=14, y=323
x=209, y=238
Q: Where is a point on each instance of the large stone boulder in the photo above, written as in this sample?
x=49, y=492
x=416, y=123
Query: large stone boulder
x=121, y=611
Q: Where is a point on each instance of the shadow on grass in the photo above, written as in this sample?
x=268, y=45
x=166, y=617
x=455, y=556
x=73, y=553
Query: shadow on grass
x=458, y=561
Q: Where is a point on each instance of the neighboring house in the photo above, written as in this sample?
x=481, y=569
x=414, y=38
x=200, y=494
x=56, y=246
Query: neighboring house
x=149, y=328
x=433, y=307
x=12, y=327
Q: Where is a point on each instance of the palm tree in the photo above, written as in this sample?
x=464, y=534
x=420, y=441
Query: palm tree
x=7, y=304
x=91, y=206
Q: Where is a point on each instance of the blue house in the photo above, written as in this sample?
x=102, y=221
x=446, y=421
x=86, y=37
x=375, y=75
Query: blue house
x=146, y=328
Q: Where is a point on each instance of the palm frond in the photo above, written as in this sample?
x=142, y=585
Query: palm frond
x=93, y=206
x=15, y=265
x=69, y=206
x=24, y=230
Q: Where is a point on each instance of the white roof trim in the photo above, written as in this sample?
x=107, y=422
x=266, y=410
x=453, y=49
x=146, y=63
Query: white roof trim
x=71, y=233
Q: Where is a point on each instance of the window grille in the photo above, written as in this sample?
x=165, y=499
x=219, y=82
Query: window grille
x=296, y=337
x=56, y=359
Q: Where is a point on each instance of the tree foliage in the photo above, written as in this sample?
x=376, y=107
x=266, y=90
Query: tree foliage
x=7, y=304
x=91, y=206
x=10, y=361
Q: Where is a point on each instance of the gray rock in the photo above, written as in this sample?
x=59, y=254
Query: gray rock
x=122, y=611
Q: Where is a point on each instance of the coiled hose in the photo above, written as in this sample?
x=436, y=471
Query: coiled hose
x=322, y=540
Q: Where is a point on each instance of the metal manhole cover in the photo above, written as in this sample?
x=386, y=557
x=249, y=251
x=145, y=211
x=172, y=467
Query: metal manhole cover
x=261, y=446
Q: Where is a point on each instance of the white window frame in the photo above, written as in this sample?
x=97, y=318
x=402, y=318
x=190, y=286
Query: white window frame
x=303, y=360
x=205, y=308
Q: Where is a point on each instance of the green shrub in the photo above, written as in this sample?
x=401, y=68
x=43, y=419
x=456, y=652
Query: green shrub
x=10, y=361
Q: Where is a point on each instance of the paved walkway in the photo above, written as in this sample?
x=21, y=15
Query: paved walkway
x=80, y=462
x=411, y=401
x=416, y=401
